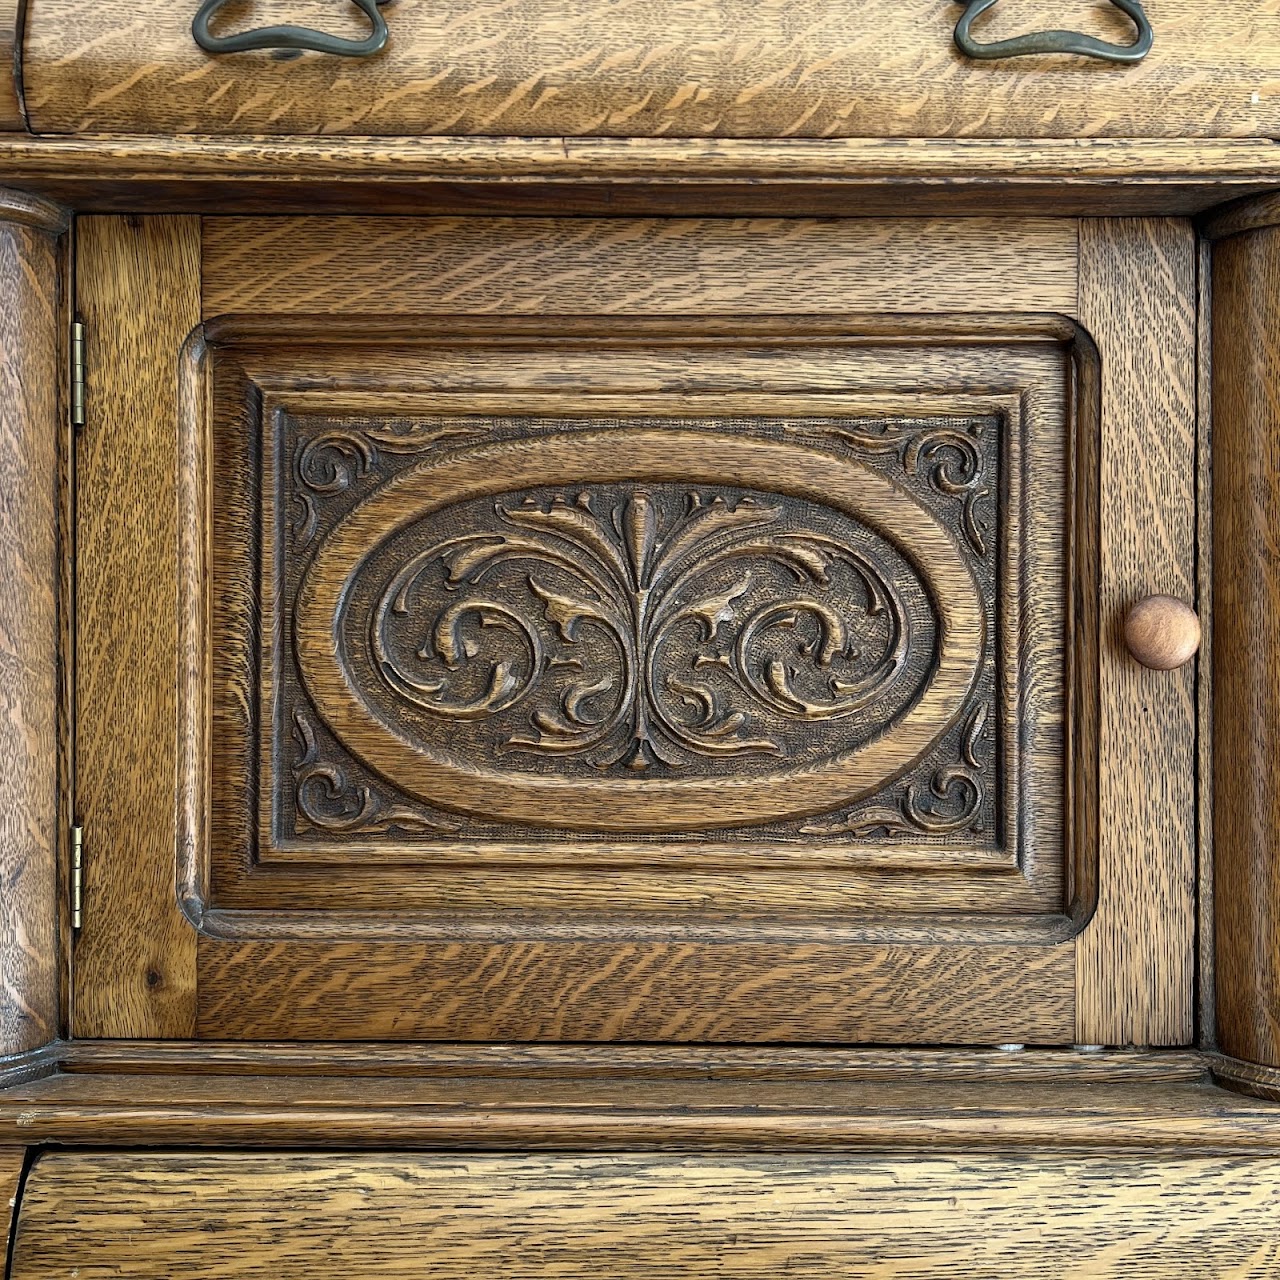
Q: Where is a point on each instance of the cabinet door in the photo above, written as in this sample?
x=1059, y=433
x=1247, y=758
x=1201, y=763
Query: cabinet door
x=582, y=631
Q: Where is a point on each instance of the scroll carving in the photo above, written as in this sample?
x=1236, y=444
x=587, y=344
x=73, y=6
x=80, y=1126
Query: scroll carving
x=641, y=626
x=632, y=629
x=951, y=800
x=954, y=457
x=329, y=461
x=329, y=801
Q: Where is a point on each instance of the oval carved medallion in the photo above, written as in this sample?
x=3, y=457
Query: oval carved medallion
x=638, y=630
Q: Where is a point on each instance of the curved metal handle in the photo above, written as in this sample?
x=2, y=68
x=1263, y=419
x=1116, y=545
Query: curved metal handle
x=290, y=37
x=1055, y=41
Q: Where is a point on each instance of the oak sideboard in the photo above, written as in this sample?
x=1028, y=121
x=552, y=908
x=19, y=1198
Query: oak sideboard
x=640, y=637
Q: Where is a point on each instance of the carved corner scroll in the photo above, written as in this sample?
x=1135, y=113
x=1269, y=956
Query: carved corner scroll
x=669, y=624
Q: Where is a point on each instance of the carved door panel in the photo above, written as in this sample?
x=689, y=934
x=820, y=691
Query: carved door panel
x=648, y=677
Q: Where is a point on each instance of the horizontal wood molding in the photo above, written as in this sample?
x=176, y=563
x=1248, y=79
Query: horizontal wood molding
x=643, y=1216
x=612, y=1097
x=1247, y=1077
x=1246, y=643
x=505, y=1059
x=29, y=623
x=661, y=176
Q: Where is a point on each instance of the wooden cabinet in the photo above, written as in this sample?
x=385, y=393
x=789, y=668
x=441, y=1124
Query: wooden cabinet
x=616, y=652
x=636, y=633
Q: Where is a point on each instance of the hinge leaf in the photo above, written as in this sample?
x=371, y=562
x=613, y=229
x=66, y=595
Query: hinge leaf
x=77, y=877
x=78, y=374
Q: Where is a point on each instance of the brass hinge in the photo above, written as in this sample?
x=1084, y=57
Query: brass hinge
x=77, y=877
x=77, y=374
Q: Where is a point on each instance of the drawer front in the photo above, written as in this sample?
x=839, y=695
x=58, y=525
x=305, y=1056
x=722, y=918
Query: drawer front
x=811, y=69
x=677, y=666
x=249, y=1215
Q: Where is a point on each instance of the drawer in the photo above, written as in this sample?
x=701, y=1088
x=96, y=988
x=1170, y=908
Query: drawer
x=255, y=1214
x=634, y=630
x=709, y=69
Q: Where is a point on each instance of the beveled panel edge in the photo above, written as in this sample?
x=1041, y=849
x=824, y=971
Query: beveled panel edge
x=859, y=329
x=873, y=329
x=194, y=679
x=1084, y=629
x=1031, y=327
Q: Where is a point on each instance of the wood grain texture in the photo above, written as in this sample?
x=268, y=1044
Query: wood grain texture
x=661, y=176
x=502, y=1060
x=684, y=266
x=12, y=1163
x=616, y=1097
x=1136, y=959
x=1246, y=595
x=532, y=989
x=138, y=289
x=12, y=112
x=318, y=1216
x=29, y=625
x=725, y=68
x=585, y=927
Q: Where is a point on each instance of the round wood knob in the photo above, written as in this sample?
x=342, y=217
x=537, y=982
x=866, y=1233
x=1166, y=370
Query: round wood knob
x=1162, y=632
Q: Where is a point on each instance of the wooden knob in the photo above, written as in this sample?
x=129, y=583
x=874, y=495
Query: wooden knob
x=1162, y=633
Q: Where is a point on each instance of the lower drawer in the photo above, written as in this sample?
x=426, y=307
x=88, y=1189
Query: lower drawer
x=444, y=1216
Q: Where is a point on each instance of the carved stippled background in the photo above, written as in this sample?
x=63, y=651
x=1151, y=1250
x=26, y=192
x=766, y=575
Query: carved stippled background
x=634, y=629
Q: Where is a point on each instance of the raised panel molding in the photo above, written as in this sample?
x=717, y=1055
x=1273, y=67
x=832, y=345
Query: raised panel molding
x=642, y=648
x=716, y=612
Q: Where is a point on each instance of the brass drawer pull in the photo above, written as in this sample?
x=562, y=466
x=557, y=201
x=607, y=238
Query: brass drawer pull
x=290, y=37
x=1055, y=41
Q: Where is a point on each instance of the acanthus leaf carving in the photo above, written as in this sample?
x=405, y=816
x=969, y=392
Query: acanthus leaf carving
x=608, y=609
x=648, y=628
